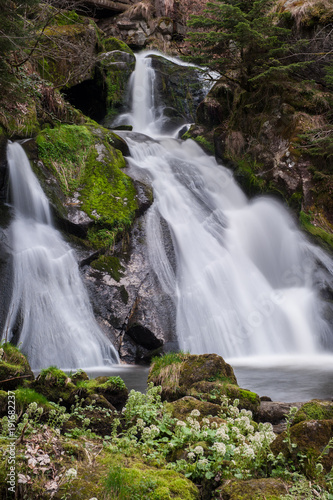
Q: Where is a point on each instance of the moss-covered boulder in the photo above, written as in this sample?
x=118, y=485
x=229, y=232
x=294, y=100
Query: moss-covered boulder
x=177, y=373
x=253, y=489
x=14, y=367
x=182, y=408
x=311, y=439
x=88, y=167
x=113, y=389
x=56, y=386
x=314, y=410
x=214, y=392
x=69, y=53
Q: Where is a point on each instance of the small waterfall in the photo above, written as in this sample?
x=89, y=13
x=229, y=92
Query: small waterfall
x=242, y=280
x=50, y=315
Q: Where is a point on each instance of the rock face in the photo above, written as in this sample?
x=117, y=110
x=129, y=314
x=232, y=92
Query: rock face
x=130, y=303
x=178, y=88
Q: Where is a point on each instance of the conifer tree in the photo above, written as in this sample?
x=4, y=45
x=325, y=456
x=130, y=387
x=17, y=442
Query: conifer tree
x=244, y=41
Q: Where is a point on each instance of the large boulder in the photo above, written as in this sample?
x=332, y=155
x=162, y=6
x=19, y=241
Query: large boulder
x=310, y=438
x=206, y=377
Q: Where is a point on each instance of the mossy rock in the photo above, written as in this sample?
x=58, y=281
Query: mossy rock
x=113, y=389
x=182, y=408
x=100, y=420
x=130, y=478
x=253, y=489
x=177, y=377
x=113, y=43
x=79, y=376
x=55, y=385
x=84, y=159
x=215, y=391
x=309, y=437
x=25, y=396
x=314, y=410
x=14, y=367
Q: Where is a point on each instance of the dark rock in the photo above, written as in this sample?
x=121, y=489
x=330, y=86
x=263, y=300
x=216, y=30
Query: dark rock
x=275, y=412
x=135, y=293
x=177, y=87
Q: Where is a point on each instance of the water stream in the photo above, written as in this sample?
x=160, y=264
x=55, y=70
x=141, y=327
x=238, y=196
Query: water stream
x=242, y=276
x=50, y=316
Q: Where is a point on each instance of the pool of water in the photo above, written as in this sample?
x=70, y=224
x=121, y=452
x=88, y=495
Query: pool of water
x=288, y=378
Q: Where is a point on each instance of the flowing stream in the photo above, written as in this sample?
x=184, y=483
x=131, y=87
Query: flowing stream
x=50, y=315
x=242, y=274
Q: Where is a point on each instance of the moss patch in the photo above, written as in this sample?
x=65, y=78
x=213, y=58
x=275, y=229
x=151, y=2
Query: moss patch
x=113, y=43
x=83, y=158
x=314, y=410
x=14, y=367
x=325, y=237
x=131, y=479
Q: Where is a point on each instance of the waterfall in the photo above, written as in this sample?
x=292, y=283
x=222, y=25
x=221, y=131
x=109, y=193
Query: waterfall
x=242, y=277
x=50, y=315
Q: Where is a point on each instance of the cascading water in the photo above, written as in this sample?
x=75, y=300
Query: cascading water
x=50, y=315
x=242, y=280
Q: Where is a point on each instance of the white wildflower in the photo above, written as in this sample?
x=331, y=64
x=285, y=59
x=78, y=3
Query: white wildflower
x=198, y=450
x=180, y=423
x=220, y=448
x=191, y=455
x=71, y=474
x=195, y=413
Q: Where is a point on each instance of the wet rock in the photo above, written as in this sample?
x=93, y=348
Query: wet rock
x=130, y=302
x=178, y=87
x=275, y=413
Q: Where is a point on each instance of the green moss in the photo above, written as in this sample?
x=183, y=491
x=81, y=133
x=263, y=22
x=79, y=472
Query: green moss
x=207, y=146
x=314, y=410
x=25, y=396
x=109, y=264
x=69, y=17
x=131, y=479
x=83, y=158
x=113, y=43
x=52, y=376
x=64, y=151
x=14, y=367
x=318, y=233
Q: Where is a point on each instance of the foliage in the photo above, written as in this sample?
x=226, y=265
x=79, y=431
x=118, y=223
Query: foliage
x=15, y=33
x=244, y=41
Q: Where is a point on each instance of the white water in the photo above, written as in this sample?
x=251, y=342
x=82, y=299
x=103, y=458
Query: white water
x=50, y=307
x=242, y=277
